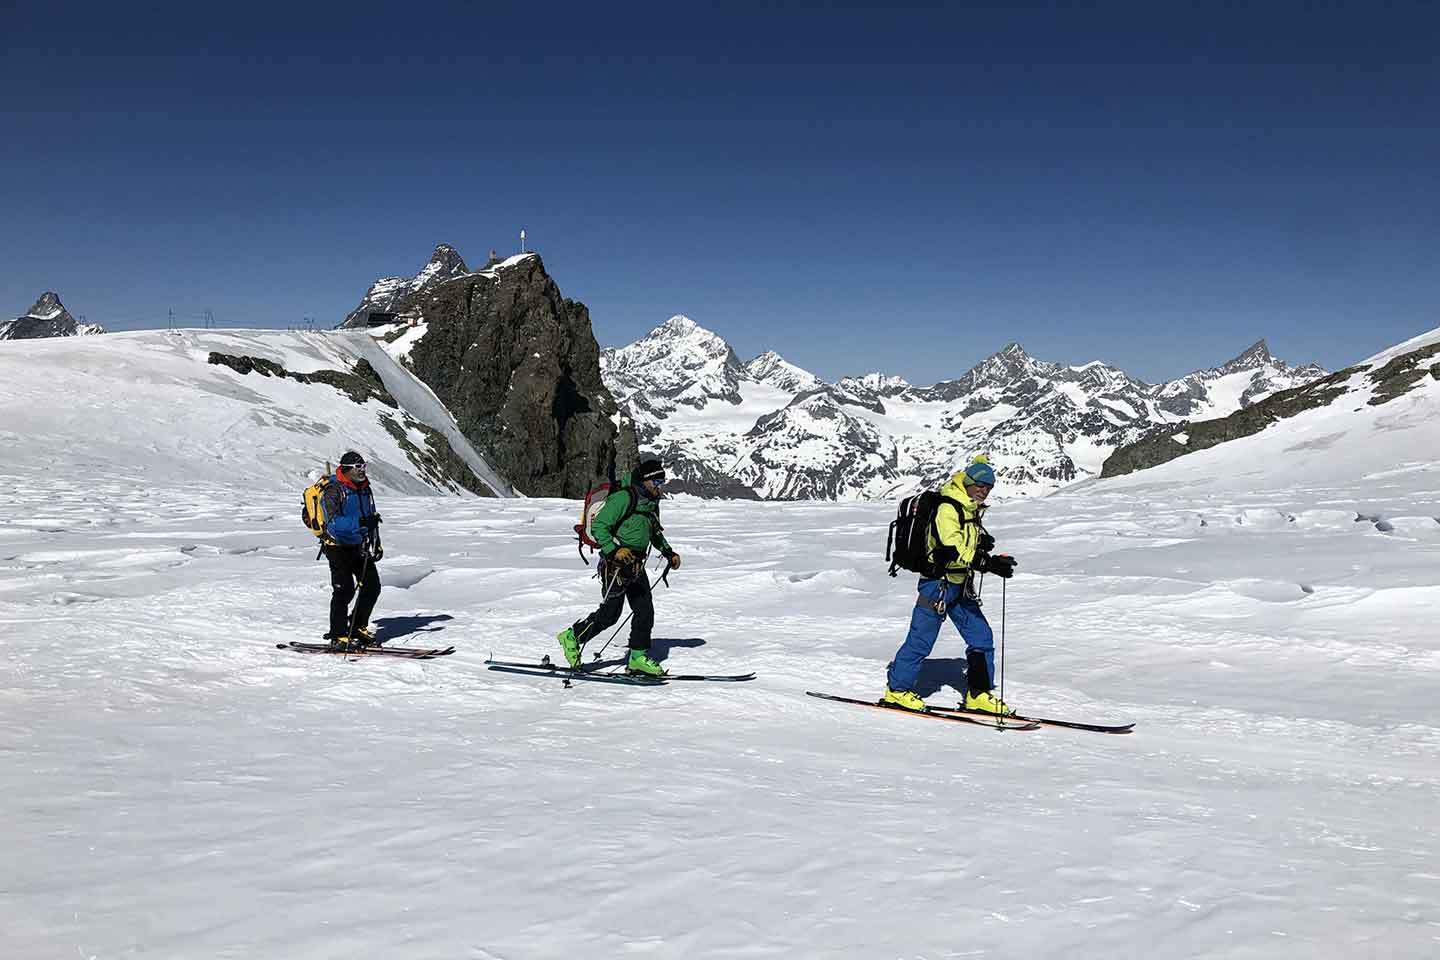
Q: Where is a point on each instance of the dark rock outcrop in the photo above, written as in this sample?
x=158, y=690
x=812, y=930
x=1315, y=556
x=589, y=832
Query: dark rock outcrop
x=517, y=365
x=361, y=385
x=47, y=318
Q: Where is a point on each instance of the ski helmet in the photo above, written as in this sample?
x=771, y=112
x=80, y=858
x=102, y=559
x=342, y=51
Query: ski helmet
x=980, y=472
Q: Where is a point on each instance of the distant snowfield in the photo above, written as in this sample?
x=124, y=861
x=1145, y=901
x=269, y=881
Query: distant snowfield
x=173, y=786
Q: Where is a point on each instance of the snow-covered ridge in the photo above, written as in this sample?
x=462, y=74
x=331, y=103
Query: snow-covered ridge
x=152, y=405
x=1046, y=424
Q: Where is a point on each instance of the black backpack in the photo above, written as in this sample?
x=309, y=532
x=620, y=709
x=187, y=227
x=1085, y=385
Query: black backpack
x=914, y=522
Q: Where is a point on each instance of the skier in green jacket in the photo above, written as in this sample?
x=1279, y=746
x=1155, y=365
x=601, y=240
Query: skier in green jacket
x=626, y=527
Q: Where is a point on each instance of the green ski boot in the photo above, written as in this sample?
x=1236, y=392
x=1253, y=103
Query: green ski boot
x=570, y=646
x=641, y=663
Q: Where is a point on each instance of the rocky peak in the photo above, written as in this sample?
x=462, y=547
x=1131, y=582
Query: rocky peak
x=876, y=383
x=1006, y=368
x=1254, y=357
x=680, y=326
x=47, y=318
x=772, y=369
x=677, y=362
x=48, y=307
x=383, y=302
x=445, y=264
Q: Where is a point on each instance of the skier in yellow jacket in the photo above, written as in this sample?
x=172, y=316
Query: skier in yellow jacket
x=963, y=548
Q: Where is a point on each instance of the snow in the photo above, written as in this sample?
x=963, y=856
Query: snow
x=1414, y=343
x=175, y=787
x=401, y=346
x=147, y=404
x=508, y=262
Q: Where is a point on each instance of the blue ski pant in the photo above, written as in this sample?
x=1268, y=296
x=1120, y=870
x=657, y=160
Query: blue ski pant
x=925, y=627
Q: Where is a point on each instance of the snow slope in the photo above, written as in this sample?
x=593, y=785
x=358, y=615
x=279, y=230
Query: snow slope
x=175, y=787
x=148, y=406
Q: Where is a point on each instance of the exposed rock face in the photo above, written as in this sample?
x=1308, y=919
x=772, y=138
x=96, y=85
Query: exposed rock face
x=391, y=297
x=517, y=365
x=770, y=429
x=47, y=318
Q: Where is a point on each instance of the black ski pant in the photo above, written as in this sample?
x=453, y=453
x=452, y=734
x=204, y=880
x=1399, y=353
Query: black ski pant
x=615, y=591
x=348, y=566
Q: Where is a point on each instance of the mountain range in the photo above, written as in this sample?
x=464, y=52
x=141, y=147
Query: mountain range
x=769, y=429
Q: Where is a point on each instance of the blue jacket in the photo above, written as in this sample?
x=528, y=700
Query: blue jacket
x=344, y=505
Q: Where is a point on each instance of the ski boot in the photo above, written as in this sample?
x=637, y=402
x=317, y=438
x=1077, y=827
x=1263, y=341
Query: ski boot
x=987, y=702
x=905, y=699
x=570, y=647
x=640, y=663
x=342, y=643
x=363, y=636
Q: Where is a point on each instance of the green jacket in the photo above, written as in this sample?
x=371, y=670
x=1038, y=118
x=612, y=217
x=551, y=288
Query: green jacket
x=958, y=529
x=639, y=531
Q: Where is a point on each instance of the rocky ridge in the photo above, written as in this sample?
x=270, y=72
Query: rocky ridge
x=514, y=361
x=1377, y=381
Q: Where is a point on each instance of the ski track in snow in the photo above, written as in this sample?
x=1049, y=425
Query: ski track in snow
x=174, y=786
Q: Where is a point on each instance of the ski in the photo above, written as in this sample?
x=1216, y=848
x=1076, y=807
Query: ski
x=985, y=720
x=404, y=653
x=593, y=671
x=1044, y=721
x=568, y=674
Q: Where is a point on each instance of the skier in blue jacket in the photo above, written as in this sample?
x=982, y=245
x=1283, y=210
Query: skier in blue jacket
x=352, y=546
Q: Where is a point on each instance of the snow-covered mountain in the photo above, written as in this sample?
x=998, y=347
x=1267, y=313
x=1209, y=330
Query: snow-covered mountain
x=47, y=318
x=770, y=429
x=1384, y=378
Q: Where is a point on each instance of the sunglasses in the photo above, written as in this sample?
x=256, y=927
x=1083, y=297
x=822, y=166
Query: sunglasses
x=355, y=467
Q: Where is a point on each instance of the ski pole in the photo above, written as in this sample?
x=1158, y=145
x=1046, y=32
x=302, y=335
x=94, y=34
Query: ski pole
x=360, y=587
x=617, y=630
x=1002, y=648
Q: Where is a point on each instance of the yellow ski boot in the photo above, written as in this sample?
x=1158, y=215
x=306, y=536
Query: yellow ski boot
x=906, y=699
x=987, y=703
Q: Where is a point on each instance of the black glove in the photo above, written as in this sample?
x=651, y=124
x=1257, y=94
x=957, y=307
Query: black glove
x=1002, y=565
x=371, y=521
x=377, y=552
x=987, y=543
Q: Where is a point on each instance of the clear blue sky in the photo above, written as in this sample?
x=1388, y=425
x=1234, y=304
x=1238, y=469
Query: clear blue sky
x=1153, y=184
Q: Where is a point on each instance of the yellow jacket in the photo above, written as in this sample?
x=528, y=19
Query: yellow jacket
x=959, y=529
